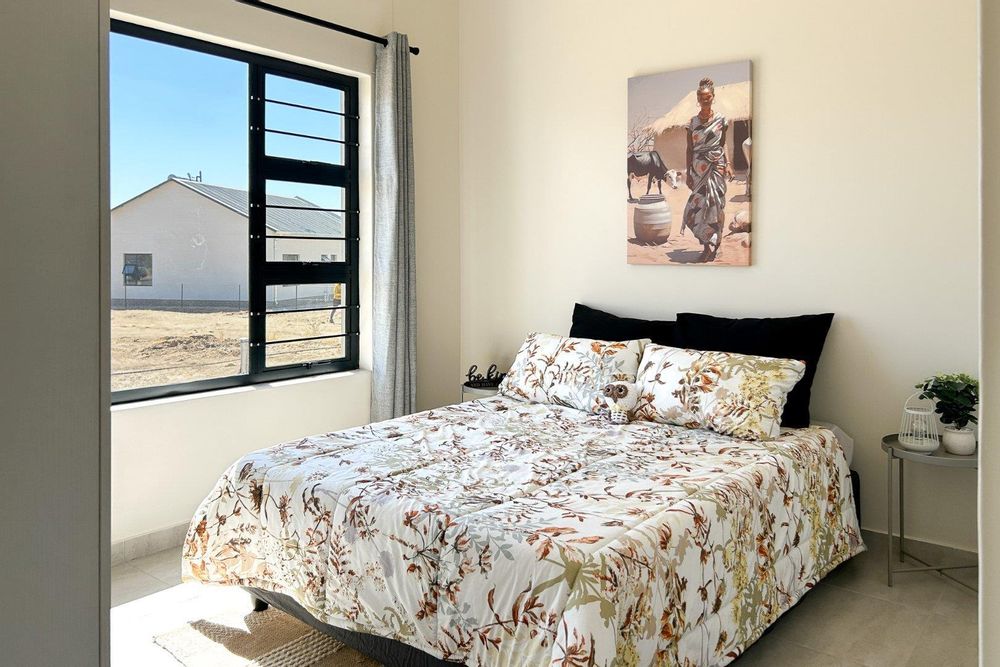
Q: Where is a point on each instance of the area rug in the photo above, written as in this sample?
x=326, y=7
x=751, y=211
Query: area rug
x=269, y=638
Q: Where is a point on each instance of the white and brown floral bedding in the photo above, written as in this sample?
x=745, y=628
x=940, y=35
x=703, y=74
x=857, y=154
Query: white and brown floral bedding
x=498, y=532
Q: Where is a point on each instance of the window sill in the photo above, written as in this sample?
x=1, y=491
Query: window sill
x=337, y=376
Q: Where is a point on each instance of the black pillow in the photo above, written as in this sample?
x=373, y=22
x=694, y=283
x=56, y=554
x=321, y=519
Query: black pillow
x=593, y=323
x=799, y=338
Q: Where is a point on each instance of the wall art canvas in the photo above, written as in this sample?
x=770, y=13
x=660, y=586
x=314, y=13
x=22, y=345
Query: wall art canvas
x=688, y=162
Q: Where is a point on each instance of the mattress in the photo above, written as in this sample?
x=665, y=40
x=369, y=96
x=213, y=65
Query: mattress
x=845, y=441
x=495, y=532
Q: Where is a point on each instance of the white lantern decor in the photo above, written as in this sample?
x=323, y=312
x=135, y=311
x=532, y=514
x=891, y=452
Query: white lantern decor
x=918, y=430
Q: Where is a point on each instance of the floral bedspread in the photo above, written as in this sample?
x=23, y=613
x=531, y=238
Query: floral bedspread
x=497, y=532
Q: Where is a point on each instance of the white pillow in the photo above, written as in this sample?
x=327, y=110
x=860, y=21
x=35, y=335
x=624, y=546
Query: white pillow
x=570, y=371
x=733, y=394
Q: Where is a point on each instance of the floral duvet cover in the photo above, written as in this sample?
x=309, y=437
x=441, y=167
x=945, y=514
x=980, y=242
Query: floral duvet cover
x=497, y=532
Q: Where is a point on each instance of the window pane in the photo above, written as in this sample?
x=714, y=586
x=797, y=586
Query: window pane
x=297, y=297
x=295, y=209
x=304, y=222
x=303, y=121
x=305, y=250
x=180, y=270
x=306, y=94
x=303, y=196
x=302, y=148
x=281, y=354
x=310, y=323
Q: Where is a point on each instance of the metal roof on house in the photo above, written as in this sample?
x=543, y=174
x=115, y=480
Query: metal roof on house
x=285, y=221
x=303, y=221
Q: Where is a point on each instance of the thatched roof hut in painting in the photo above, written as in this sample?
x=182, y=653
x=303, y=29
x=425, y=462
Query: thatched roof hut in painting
x=731, y=100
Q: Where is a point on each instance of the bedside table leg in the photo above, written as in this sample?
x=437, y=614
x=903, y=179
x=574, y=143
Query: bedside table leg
x=901, y=545
x=888, y=532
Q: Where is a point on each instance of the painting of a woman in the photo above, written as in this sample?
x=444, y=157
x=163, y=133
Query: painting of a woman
x=688, y=149
x=707, y=172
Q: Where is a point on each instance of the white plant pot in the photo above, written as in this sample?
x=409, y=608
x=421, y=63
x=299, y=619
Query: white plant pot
x=959, y=441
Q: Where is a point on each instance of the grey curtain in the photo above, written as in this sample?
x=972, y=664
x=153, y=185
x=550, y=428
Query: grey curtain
x=394, y=358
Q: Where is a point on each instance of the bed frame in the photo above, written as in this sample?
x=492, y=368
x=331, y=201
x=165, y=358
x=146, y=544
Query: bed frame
x=389, y=651
x=386, y=651
x=856, y=487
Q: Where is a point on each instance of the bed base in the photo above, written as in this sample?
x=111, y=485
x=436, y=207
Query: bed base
x=389, y=652
x=856, y=487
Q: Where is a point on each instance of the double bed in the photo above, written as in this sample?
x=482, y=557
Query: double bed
x=500, y=532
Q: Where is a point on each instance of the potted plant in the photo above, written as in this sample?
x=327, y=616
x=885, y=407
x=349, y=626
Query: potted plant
x=955, y=396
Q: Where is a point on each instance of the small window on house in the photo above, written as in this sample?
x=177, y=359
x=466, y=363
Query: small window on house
x=289, y=257
x=137, y=270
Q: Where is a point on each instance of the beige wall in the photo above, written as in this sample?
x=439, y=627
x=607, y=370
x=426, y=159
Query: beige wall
x=167, y=454
x=54, y=390
x=865, y=174
x=989, y=471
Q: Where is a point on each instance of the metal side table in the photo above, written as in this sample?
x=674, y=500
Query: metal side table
x=939, y=457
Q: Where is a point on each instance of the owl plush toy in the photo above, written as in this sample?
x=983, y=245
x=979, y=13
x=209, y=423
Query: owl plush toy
x=622, y=399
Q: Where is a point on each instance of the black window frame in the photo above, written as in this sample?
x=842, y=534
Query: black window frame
x=262, y=168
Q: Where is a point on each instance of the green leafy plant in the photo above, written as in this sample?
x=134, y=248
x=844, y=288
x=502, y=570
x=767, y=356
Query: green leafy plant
x=955, y=396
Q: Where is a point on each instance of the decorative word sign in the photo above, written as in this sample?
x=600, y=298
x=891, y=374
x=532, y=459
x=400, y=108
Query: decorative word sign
x=493, y=378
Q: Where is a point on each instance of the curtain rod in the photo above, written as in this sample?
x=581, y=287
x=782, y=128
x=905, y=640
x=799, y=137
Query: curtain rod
x=320, y=22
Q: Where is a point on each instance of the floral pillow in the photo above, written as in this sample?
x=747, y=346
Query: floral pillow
x=570, y=371
x=733, y=394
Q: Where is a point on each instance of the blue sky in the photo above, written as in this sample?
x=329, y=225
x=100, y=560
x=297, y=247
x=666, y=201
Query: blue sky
x=175, y=111
x=172, y=112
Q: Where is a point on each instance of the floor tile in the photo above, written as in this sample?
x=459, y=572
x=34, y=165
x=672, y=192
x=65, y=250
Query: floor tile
x=768, y=652
x=886, y=639
x=129, y=583
x=947, y=640
x=866, y=574
x=958, y=603
x=165, y=565
x=846, y=624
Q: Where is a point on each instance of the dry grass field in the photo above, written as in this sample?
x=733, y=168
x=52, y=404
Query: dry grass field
x=157, y=347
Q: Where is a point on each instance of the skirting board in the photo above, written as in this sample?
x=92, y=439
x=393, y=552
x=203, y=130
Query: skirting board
x=150, y=543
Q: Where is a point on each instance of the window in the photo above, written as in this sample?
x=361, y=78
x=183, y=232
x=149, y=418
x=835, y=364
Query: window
x=137, y=270
x=257, y=246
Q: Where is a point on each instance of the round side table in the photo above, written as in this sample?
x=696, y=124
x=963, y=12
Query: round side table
x=896, y=452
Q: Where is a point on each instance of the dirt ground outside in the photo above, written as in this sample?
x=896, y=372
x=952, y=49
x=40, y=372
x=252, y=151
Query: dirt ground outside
x=686, y=249
x=159, y=347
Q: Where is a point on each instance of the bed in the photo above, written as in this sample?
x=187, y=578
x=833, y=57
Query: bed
x=498, y=532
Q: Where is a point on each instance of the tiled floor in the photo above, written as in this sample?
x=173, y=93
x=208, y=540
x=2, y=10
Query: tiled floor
x=851, y=618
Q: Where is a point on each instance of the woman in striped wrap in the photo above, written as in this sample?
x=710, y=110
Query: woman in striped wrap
x=707, y=171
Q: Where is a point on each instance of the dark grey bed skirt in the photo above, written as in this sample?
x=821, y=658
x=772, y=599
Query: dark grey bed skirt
x=387, y=651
